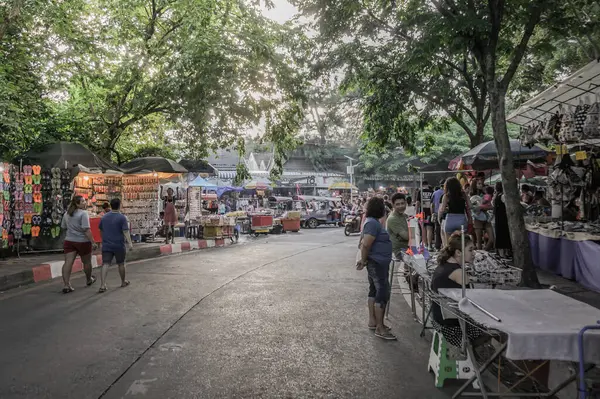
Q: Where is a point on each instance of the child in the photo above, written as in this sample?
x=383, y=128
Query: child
x=487, y=198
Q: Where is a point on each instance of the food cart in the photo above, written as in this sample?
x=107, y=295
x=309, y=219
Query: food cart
x=260, y=223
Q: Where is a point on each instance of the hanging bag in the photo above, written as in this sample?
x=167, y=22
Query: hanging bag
x=591, y=128
x=567, y=126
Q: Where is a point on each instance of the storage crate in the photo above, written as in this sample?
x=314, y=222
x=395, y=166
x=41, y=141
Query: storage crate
x=213, y=232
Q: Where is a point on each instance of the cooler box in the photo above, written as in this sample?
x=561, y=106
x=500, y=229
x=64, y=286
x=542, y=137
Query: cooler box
x=95, y=228
x=291, y=224
x=262, y=220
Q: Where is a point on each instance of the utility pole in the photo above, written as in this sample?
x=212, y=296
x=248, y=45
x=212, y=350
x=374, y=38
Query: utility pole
x=350, y=171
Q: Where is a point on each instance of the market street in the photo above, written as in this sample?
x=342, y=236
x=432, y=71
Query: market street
x=278, y=316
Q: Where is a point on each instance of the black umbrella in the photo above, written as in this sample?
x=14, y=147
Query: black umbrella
x=56, y=154
x=485, y=155
x=153, y=164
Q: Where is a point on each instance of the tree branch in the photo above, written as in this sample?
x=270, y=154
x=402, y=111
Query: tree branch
x=535, y=13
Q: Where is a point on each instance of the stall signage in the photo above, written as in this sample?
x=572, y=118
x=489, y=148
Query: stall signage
x=580, y=155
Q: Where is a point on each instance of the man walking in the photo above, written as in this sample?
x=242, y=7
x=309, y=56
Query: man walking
x=424, y=204
x=114, y=229
x=436, y=201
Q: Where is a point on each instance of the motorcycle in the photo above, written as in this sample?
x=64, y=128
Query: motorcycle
x=352, y=223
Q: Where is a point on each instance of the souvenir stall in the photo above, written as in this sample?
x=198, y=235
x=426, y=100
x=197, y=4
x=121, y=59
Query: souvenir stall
x=140, y=203
x=502, y=314
x=58, y=171
x=567, y=116
x=200, y=202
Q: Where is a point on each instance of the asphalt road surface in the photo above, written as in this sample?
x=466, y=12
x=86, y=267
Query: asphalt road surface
x=275, y=317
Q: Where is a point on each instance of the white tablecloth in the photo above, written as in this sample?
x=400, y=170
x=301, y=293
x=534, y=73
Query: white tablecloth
x=541, y=324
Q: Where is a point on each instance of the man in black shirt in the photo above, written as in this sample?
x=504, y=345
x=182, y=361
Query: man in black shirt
x=424, y=205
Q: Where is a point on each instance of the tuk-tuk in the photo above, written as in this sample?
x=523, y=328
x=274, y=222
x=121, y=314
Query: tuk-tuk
x=281, y=204
x=320, y=211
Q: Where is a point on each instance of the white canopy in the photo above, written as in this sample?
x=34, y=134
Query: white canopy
x=583, y=83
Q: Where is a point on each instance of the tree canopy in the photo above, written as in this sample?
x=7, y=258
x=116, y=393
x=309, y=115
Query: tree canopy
x=197, y=72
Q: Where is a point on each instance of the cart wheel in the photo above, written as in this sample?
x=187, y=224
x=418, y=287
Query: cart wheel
x=256, y=234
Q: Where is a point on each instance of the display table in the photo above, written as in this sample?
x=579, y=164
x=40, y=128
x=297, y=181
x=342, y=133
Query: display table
x=571, y=255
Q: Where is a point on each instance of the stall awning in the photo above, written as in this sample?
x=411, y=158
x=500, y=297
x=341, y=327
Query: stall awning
x=569, y=92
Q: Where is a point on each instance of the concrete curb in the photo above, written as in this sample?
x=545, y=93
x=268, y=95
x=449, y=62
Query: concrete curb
x=53, y=269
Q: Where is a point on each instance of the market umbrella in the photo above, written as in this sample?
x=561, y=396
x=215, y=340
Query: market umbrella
x=153, y=164
x=57, y=155
x=485, y=155
x=258, y=184
x=342, y=185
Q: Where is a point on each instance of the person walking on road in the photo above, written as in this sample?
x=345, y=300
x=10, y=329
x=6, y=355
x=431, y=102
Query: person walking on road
x=376, y=255
x=78, y=241
x=114, y=228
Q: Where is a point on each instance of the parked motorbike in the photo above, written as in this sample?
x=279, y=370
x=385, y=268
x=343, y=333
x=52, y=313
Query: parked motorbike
x=352, y=223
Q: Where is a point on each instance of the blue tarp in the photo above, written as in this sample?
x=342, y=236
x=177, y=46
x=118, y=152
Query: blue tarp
x=200, y=182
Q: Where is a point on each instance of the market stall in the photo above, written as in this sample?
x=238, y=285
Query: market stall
x=502, y=314
x=39, y=186
x=567, y=116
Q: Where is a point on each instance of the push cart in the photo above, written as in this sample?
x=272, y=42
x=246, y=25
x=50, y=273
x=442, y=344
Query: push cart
x=260, y=224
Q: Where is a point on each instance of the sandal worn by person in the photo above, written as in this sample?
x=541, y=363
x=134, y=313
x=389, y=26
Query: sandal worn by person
x=373, y=328
x=387, y=335
x=102, y=290
x=68, y=290
x=125, y=283
x=92, y=281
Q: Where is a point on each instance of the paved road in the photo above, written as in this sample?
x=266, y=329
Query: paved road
x=278, y=317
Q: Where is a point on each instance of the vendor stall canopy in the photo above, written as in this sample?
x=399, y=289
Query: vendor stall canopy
x=153, y=164
x=485, y=155
x=569, y=92
x=65, y=154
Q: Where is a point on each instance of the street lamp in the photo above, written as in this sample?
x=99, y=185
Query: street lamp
x=350, y=171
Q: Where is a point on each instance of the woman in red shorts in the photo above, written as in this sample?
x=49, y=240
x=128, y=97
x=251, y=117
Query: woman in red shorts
x=79, y=241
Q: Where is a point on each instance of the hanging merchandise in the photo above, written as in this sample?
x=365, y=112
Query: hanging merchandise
x=140, y=203
x=591, y=128
x=104, y=189
x=567, y=128
x=7, y=214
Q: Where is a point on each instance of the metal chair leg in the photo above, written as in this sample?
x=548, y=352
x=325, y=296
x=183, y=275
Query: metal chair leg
x=387, y=307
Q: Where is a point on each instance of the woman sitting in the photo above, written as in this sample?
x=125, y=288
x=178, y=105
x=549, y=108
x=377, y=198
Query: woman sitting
x=449, y=274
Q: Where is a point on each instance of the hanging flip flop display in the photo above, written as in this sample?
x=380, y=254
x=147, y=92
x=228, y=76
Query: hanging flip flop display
x=4, y=204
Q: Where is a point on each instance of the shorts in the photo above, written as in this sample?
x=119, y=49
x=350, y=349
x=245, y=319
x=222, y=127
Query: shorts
x=454, y=221
x=427, y=218
x=479, y=224
x=119, y=256
x=379, y=284
x=81, y=248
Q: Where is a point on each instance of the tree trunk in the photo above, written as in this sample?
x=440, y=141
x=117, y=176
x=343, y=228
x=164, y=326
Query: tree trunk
x=518, y=234
x=477, y=138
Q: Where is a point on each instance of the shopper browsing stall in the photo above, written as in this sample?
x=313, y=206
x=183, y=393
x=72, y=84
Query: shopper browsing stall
x=376, y=255
x=454, y=202
x=449, y=274
x=114, y=229
x=170, y=217
x=397, y=225
x=424, y=204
